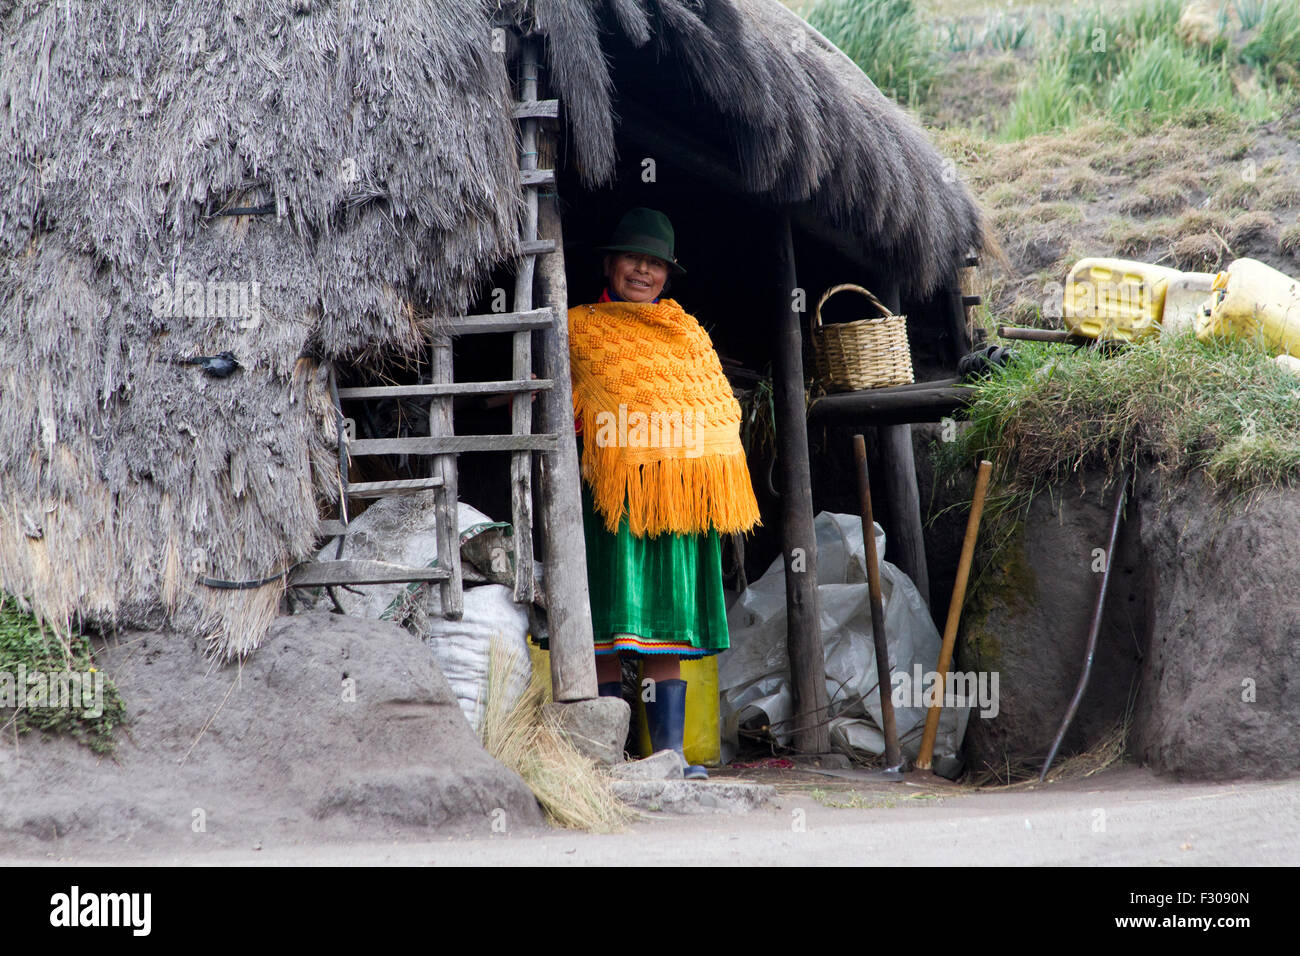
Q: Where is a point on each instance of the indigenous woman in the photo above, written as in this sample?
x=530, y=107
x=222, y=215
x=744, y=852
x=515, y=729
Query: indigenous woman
x=663, y=473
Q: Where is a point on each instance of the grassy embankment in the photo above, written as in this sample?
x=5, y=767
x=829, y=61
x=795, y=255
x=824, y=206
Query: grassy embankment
x=1111, y=130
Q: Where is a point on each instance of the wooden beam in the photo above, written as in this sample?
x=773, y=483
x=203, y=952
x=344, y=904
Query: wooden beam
x=536, y=109
x=450, y=444
x=455, y=388
x=498, y=322
x=382, y=489
x=326, y=573
x=906, y=543
x=564, y=548
x=442, y=428
x=887, y=407
x=798, y=538
x=958, y=325
x=521, y=406
x=1060, y=336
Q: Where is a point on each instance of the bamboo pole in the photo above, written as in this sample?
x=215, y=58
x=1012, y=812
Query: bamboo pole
x=954, y=612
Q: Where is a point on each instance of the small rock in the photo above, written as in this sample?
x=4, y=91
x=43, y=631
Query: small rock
x=664, y=765
x=597, y=727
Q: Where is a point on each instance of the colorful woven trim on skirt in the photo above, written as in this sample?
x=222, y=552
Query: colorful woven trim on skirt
x=631, y=643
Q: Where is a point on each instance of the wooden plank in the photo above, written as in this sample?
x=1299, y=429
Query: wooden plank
x=798, y=539
x=500, y=322
x=537, y=177
x=521, y=408
x=382, y=489
x=537, y=109
x=536, y=247
x=970, y=301
x=503, y=387
x=327, y=573
x=564, y=549
x=447, y=508
x=451, y=444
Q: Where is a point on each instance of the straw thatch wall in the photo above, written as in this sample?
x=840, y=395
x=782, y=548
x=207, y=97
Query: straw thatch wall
x=380, y=132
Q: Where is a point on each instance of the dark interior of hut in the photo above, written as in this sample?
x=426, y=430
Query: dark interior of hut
x=727, y=240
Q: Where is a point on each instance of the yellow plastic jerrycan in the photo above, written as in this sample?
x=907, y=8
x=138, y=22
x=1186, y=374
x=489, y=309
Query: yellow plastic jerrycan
x=1116, y=298
x=1254, y=301
x=702, y=739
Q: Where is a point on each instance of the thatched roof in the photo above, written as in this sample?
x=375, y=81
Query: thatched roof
x=804, y=124
x=381, y=134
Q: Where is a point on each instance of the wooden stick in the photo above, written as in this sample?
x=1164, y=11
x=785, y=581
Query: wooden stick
x=893, y=756
x=954, y=612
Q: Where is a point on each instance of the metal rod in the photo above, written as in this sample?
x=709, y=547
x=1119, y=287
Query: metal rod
x=1093, y=630
x=884, y=685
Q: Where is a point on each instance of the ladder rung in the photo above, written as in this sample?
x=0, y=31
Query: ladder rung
x=452, y=388
x=537, y=177
x=382, y=489
x=542, y=109
x=325, y=573
x=500, y=322
x=450, y=444
x=970, y=301
x=536, y=247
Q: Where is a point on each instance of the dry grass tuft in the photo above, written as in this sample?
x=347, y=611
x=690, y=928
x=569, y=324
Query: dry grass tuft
x=1110, y=750
x=572, y=791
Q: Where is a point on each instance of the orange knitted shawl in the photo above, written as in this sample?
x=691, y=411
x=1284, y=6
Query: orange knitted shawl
x=661, y=427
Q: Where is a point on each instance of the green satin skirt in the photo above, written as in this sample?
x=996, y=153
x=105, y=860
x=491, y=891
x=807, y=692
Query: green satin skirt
x=654, y=595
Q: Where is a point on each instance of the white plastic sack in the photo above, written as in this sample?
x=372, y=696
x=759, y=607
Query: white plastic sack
x=754, y=675
x=462, y=647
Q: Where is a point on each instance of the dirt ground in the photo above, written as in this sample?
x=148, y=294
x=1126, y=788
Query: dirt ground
x=1122, y=816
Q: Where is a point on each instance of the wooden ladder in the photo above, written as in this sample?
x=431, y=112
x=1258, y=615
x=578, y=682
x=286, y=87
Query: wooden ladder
x=443, y=445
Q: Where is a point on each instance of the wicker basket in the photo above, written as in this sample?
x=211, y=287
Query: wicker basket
x=867, y=353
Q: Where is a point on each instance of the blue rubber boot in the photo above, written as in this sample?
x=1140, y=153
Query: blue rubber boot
x=666, y=715
x=613, y=689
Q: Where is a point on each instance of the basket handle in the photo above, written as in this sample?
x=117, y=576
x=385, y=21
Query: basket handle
x=844, y=287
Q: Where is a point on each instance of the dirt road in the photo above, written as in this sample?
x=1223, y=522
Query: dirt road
x=1124, y=816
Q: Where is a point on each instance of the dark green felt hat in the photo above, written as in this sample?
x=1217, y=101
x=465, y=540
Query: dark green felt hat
x=646, y=231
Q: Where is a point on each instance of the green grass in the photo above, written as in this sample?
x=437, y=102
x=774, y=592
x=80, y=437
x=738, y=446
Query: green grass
x=1130, y=65
x=23, y=642
x=1274, y=47
x=1250, y=12
x=1164, y=81
x=1007, y=33
x=1048, y=100
x=888, y=39
x=1177, y=404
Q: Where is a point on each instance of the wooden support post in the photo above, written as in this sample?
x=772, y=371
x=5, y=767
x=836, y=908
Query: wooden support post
x=798, y=539
x=906, y=542
x=447, y=510
x=521, y=408
x=958, y=327
x=564, y=546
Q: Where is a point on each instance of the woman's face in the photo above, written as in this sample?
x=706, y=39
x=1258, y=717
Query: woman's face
x=635, y=277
